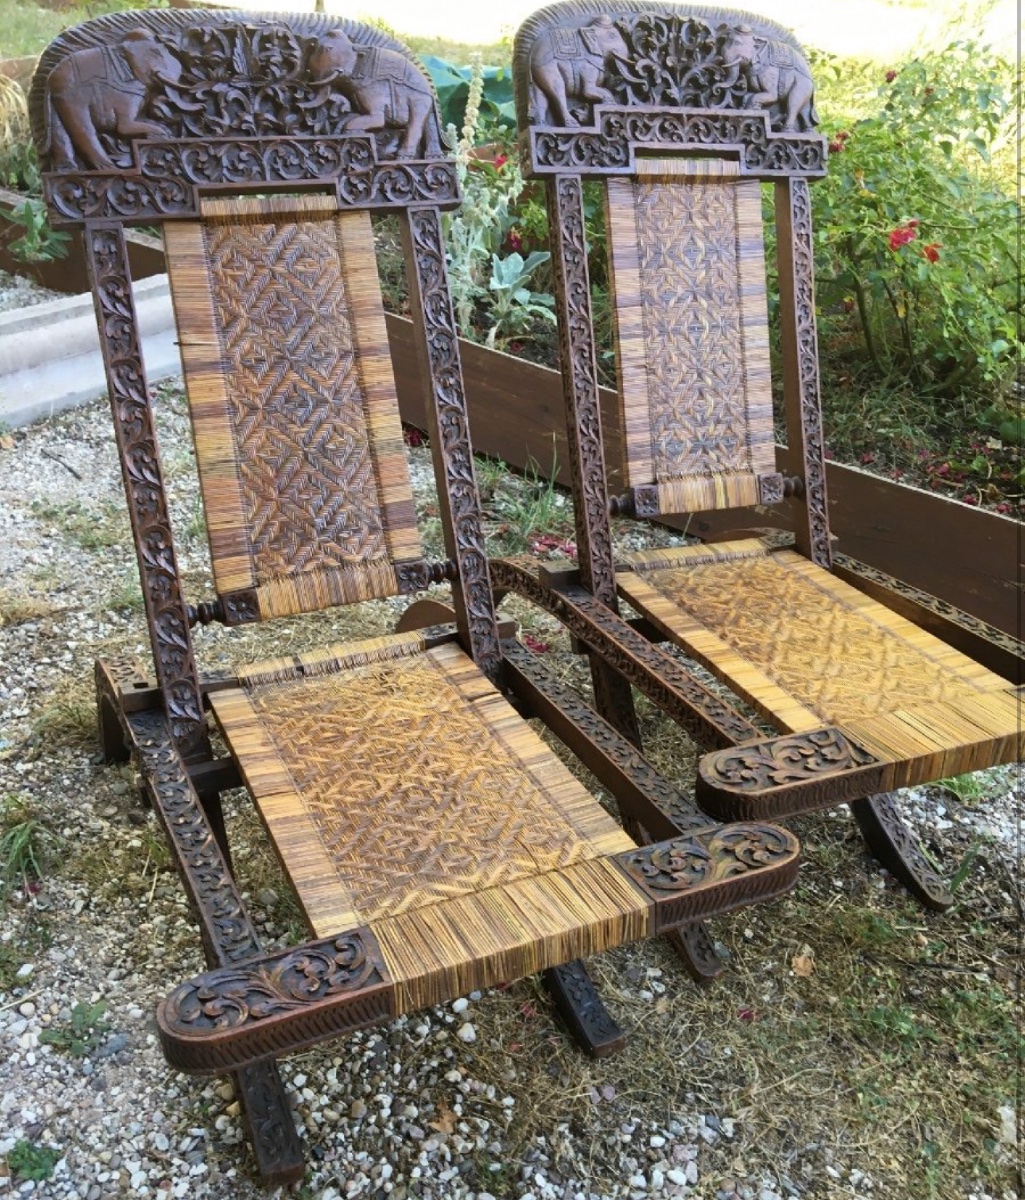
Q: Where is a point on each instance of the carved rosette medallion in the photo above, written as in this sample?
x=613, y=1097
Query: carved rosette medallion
x=132, y=113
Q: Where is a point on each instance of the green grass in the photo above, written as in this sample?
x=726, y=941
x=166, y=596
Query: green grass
x=99, y=528
x=25, y=841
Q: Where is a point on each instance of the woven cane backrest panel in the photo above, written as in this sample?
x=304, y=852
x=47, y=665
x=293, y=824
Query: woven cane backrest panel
x=479, y=802
x=832, y=648
x=300, y=453
x=688, y=267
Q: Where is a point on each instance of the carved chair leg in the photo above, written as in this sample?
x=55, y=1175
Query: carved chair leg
x=895, y=846
x=269, y=1122
x=696, y=950
x=581, y=1008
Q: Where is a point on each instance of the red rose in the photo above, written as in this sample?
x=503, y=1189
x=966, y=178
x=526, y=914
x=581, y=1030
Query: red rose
x=902, y=235
x=932, y=251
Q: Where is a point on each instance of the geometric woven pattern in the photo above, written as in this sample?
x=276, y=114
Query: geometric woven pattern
x=692, y=329
x=833, y=649
x=477, y=800
x=304, y=462
x=304, y=476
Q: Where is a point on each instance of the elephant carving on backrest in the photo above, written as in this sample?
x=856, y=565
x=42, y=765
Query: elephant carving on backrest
x=568, y=65
x=97, y=94
x=777, y=76
x=385, y=90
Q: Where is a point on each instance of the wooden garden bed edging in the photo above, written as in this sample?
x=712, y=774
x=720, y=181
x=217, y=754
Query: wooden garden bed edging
x=68, y=274
x=968, y=557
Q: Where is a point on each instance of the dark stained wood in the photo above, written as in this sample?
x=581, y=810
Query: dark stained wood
x=362, y=757
x=516, y=415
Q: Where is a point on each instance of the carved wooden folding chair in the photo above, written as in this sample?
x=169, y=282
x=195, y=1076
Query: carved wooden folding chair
x=434, y=842
x=682, y=113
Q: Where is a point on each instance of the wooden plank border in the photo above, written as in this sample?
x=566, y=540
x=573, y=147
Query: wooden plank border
x=970, y=558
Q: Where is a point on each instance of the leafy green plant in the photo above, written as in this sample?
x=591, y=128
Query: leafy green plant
x=453, y=85
x=82, y=1032
x=514, y=307
x=487, y=273
x=31, y=1162
x=40, y=242
x=916, y=242
x=966, y=788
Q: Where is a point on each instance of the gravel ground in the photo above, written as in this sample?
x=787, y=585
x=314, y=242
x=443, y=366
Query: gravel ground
x=18, y=292
x=434, y=1105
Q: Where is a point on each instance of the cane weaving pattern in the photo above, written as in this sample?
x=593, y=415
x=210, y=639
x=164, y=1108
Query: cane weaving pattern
x=839, y=662
x=413, y=796
x=295, y=397
x=687, y=238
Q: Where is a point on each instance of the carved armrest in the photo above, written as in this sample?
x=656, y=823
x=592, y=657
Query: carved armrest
x=781, y=776
x=259, y=1008
x=993, y=648
x=664, y=679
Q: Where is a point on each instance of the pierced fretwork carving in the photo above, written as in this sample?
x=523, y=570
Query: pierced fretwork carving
x=584, y=54
x=131, y=111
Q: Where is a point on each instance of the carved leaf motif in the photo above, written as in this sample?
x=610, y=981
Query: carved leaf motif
x=791, y=759
x=227, y=999
x=226, y=924
x=686, y=863
x=447, y=382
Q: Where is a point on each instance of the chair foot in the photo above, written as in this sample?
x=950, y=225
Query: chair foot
x=696, y=949
x=269, y=1123
x=583, y=1011
x=894, y=845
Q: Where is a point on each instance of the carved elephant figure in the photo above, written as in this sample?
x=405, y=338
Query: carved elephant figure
x=385, y=89
x=777, y=76
x=100, y=90
x=567, y=65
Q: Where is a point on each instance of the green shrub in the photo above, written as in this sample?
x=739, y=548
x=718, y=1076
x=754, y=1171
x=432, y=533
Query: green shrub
x=915, y=232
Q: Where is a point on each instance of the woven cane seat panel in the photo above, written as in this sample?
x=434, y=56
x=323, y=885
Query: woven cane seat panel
x=293, y=402
x=403, y=782
x=692, y=332
x=831, y=650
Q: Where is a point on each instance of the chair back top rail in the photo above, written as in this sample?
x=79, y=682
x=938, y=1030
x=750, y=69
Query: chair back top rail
x=599, y=82
x=137, y=114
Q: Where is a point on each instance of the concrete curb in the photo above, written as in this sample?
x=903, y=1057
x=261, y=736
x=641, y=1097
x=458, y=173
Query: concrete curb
x=50, y=353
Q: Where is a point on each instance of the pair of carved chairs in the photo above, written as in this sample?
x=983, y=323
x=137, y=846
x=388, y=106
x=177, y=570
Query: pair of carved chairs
x=434, y=841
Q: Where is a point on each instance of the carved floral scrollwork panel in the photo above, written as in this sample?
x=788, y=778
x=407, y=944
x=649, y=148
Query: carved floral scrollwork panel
x=133, y=111
x=596, y=81
x=282, y=1002
x=456, y=481
x=679, y=874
